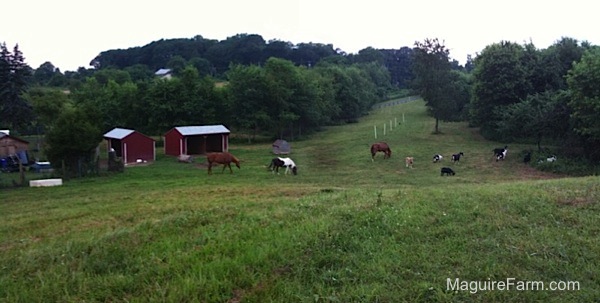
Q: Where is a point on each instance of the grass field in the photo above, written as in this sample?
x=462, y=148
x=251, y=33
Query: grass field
x=345, y=229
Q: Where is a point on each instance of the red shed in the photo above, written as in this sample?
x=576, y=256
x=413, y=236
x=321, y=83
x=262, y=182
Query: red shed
x=131, y=145
x=196, y=140
x=10, y=145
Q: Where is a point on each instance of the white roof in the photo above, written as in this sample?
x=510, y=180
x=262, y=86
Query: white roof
x=162, y=71
x=118, y=133
x=202, y=130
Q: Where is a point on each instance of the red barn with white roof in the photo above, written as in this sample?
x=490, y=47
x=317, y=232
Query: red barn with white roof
x=196, y=140
x=131, y=145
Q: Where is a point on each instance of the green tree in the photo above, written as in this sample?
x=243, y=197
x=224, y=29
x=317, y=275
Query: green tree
x=202, y=65
x=103, y=76
x=399, y=64
x=43, y=74
x=283, y=80
x=558, y=59
x=499, y=79
x=47, y=104
x=176, y=64
x=539, y=116
x=116, y=104
x=167, y=101
x=313, y=102
x=139, y=72
x=15, y=111
x=355, y=93
x=460, y=92
x=379, y=76
x=198, y=97
x=248, y=88
x=584, y=82
x=368, y=55
x=433, y=79
x=73, y=141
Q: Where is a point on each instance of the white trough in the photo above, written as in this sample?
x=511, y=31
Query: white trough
x=45, y=182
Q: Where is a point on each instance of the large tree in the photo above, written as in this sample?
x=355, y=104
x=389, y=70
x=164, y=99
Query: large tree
x=584, y=82
x=47, y=105
x=499, y=79
x=433, y=79
x=15, y=111
x=539, y=116
x=248, y=88
x=73, y=141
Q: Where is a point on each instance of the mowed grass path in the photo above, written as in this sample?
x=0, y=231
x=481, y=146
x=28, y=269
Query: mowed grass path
x=346, y=229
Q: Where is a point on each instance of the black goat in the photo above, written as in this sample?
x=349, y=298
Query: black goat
x=527, y=157
x=447, y=171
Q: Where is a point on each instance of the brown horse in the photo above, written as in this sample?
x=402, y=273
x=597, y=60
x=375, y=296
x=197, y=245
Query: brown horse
x=224, y=158
x=380, y=147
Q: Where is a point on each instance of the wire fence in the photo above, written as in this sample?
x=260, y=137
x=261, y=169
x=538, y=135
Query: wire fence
x=395, y=102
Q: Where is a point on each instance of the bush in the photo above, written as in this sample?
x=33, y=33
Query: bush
x=73, y=140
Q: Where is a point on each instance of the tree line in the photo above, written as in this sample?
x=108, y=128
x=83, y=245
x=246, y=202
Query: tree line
x=213, y=58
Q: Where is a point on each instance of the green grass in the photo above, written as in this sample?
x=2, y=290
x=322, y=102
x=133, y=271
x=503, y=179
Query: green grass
x=346, y=229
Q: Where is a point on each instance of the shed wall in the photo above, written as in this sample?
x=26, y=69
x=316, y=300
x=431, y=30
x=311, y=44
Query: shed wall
x=137, y=146
x=10, y=146
x=174, y=145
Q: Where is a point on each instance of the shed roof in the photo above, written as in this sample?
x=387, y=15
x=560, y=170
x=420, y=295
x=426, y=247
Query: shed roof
x=202, y=130
x=3, y=135
x=118, y=133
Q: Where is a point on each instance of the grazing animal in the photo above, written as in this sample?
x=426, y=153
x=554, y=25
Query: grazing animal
x=499, y=150
x=527, y=157
x=409, y=161
x=380, y=147
x=275, y=164
x=500, y=153
x=456, y=157
x=551, y=159
x=447, y=171
x=224, y=158
x=437, y=158
x=288, y=163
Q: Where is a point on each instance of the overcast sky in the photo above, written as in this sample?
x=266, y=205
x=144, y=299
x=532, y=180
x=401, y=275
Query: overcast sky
x=70, y=33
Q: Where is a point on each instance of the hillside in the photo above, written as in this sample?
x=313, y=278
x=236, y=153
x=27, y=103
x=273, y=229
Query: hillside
x=345, y=229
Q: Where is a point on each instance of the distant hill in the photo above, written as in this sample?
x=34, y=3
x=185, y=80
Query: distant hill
x=214, y=57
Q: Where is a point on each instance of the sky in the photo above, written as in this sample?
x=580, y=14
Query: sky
x=70, y=33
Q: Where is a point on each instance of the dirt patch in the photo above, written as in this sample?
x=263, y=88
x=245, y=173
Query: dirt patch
x=527, y=172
